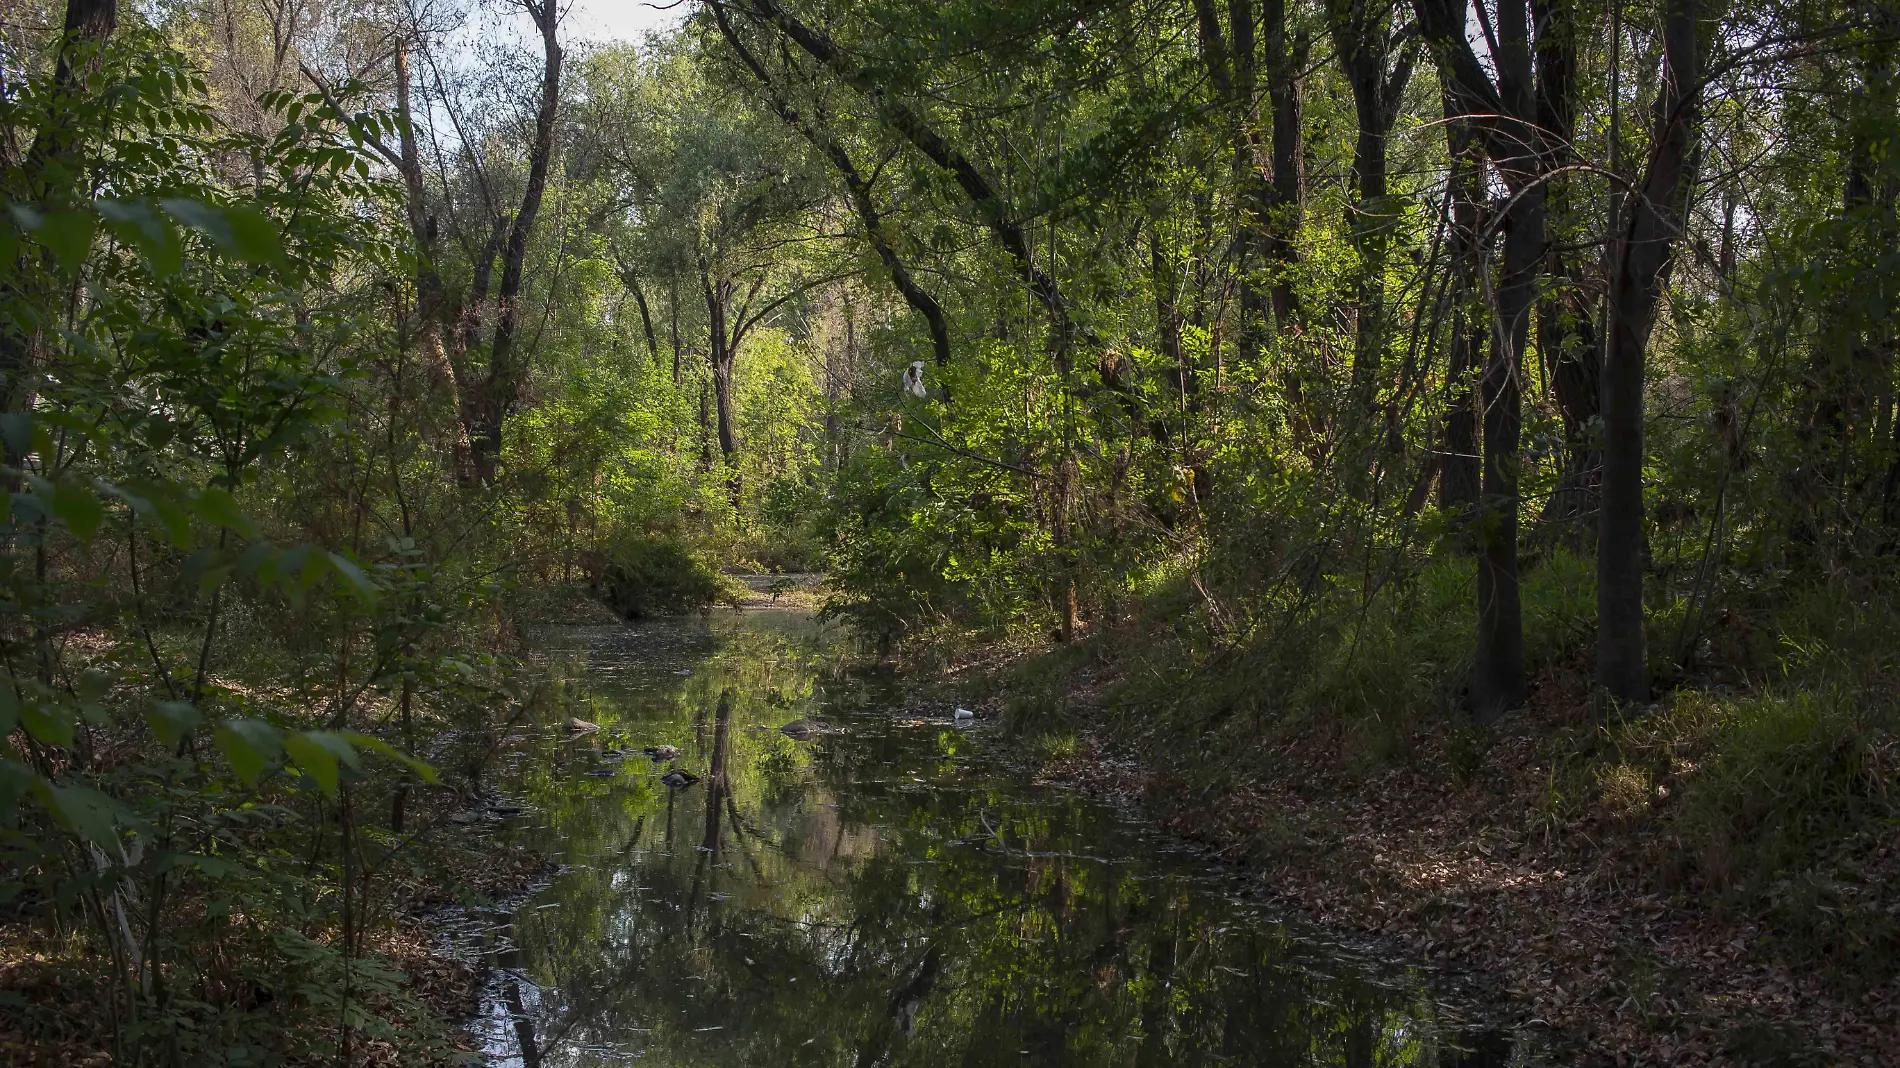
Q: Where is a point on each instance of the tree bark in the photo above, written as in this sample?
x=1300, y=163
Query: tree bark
x=56, y=146
x=721, y=358
x=1567, y=340
x=1644, y=254
x=432, y=299
x=1459, y=476
x=1362, y=35
x=1504, y=117
x=502, y=387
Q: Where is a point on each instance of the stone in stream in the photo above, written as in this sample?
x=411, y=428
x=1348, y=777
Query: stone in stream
x=660, y=753
x=678, y=780
x=800, y=729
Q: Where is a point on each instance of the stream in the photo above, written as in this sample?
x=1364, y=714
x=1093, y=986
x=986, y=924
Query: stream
x=888, y=889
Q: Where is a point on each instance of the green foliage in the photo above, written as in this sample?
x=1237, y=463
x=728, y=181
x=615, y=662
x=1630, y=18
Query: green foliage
x=657, y=576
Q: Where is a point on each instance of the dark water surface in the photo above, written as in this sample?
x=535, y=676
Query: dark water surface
x=888, y=892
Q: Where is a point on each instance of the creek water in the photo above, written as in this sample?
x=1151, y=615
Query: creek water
x=889, y=889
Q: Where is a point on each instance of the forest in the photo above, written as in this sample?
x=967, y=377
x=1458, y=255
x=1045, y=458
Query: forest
x=1408, y=433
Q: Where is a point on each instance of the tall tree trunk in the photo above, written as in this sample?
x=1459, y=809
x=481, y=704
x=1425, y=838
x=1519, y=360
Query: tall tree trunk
x=1644, y=254
x=632, y=282
x=1498, y=683
x=1458, y=483
x=1504, y=116
x=502, y=387
x=1285, y=59
x=56, y=149
x=432, y=299
x=89, y=25
x=673, y=325
x=1362, y=34
x=1567, y=340
x=722, y=356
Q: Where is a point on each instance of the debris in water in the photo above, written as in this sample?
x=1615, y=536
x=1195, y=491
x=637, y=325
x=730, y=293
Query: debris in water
x=678, y=780
x=964, y=713
x=662, y=752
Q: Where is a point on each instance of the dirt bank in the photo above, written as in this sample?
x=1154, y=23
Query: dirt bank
x=1480, y=855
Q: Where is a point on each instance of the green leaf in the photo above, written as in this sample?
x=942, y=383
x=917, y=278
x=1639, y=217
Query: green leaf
x=318, y=753
x=47, y=721
x=254, y=236
x=250, y=745
x=215, y=867
x=205, y=219
x=217, y=506
x=158, y=504
x=76, y=505
x=353, y=576
x=16, y=432
x=16, y=780
x=138, y=225
x=69, y=235
x=423, y=770
x=80, y=809
x=172, y=720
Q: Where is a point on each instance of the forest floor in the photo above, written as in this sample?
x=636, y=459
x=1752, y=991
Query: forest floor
x=1579, y=915
x=53, y=1000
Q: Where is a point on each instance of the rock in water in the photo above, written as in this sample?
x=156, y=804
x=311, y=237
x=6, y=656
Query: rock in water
x=577, y=725
x=678, y=780
x=799, y=729
x=661, y=752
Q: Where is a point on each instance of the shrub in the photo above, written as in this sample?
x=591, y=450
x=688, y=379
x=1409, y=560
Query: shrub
x=646, y=576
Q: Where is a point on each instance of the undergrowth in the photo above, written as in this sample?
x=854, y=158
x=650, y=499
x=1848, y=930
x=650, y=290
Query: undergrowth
x=1769, y=777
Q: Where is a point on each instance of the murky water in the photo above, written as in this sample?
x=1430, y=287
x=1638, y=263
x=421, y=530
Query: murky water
x=886, y=892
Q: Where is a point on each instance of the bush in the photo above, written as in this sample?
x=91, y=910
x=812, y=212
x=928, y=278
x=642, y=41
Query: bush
x=657, y=576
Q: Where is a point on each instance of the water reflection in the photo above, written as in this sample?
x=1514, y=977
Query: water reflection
x=885, y=894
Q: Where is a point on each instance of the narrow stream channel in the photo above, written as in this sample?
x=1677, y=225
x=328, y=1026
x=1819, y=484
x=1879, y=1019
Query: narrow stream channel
x=886, y=891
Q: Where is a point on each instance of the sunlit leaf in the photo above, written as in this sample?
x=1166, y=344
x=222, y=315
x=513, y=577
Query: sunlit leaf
x=353, y=576
x=318, y=753
x=216, y=505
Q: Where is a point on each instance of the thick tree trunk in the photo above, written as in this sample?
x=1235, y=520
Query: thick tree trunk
x=1504, y=117
x=1498, y=683
x=503, y=385
x=1285, y=59
x=56, y=148
x=632, y=282
x=1644, y=254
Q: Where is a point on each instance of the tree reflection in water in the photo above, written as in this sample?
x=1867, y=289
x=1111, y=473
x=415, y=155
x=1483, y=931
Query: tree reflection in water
x=888, y=893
